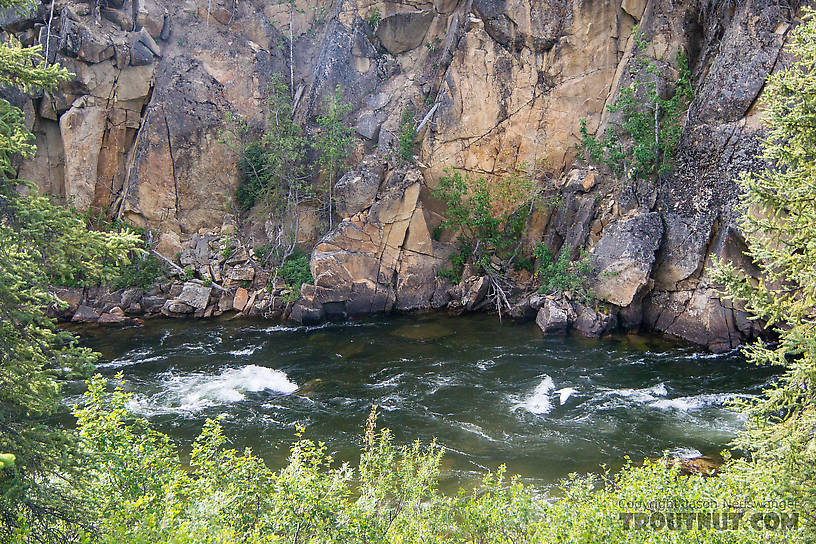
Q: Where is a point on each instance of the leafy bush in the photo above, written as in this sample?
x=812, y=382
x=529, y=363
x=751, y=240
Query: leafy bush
x=273, y=168
x=295, y=271
x=333, y=143
x=524, y=263
x=458, y=261
x=142, y=271
x=254, y=178
x=407, y=135
x=373, y=18
x=228, y=249
x=563, y=274
x=143, y=268
x=641, y=144
x=264, y=251
x=489, y=218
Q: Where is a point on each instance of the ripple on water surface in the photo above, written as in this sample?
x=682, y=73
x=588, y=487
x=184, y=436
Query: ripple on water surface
x=489, y=392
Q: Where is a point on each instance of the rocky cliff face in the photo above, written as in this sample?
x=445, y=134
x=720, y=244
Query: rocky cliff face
x=499, y=83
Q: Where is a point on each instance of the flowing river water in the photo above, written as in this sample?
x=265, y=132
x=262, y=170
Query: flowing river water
x=489, y=392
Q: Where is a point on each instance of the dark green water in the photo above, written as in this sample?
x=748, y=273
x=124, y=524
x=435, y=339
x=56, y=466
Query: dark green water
x=486, y=391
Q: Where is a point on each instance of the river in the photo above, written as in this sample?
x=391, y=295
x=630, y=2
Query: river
x=489, y=392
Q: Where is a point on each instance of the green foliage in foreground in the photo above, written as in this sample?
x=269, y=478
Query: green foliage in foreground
x=779, y=217
x=134, y=488
x=40, y=243
x=142, y=493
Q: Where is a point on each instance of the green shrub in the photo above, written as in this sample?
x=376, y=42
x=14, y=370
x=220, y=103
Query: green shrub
x=273, y=167
x=563, y=274
x=373, y=18
x=262, y=252
x=458, y=261
x=524, y=263
x=228, y=249
x=143, y=268
x=254, y=176
x=295, y=271
x=641, y=144
x=489, y=218
x=142, y=271
x=407, y=135
x=334, y=143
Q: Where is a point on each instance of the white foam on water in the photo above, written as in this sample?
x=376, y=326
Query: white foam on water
x=645, y=394
x=244, y=352
x=279, y=328
x=390, y=403
x=393, y=381
x=475, y=429
x=193, y=393
x=539, y=400
x=132, y=358
x=696, y=402
x=327, y=325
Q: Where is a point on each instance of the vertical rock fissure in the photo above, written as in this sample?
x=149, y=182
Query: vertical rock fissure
x=172, y=163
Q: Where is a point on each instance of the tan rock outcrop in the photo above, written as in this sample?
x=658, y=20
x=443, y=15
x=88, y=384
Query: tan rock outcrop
x=380, y=259
x=498, y=83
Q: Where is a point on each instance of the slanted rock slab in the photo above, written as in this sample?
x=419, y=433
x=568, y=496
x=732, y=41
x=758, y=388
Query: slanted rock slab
x=195, y=295
x=85, y=314
x=624, y=257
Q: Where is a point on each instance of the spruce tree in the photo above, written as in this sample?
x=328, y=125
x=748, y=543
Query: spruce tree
x=40, y=243
x=779, y=220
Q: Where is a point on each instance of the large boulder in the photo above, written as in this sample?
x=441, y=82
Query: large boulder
x=242, y=273
x=176, y=308
x=592, y=322
x=475, y=292
x=357, y=190
x=70, y=299
x=81, y=42
x=624, y=256
x=240, y=299
x=528, y=308
x=404, y=31
x=195, y=295
x=140, y=55
x=115, y=316
x=85, y=314
x=555, y=317
x=153, y=303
